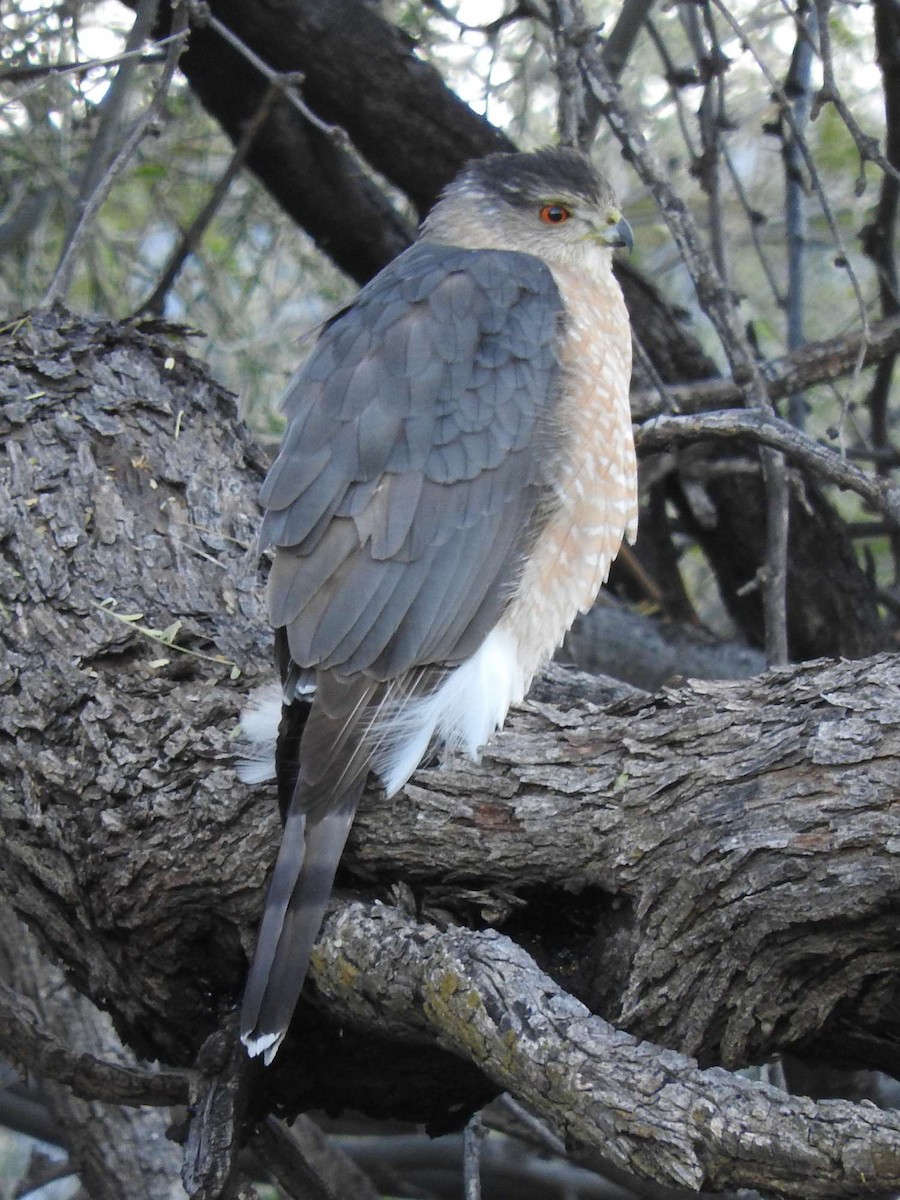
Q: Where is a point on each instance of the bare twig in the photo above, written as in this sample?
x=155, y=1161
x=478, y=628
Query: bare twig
x=797, y=88
x=307, y=1165
x=287, y=83
x=60, y=281
x=155, y=302
x=878, y=237
x=491, y=28
x=112, y=109
x=866, y=146
x=678, y=78
x=663, y=432
x=814, y=363
x=472, y=1140
x=538, y=1131
x=710, y=62
x=842, y=259
x=45, y=71
x=642, y=356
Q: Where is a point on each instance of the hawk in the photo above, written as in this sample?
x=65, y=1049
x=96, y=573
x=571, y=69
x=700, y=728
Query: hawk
x=456, y=476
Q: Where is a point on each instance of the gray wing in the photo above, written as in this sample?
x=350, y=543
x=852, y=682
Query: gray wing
x=415, y=462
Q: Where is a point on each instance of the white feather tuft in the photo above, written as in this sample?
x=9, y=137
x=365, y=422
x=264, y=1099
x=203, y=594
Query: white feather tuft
x=461, y=713
x=259, y=721
x=255, y=770
x=259, y=732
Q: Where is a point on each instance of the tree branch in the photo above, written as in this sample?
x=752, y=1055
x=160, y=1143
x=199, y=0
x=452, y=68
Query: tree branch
x=116, y=1151
x=105, y=165
x=653, y=1114
x=34, y=1048
x=665, y=431
x=816, y=362
x=305, y=1165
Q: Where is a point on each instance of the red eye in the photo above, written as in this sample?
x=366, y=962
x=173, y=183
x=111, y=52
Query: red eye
x=554, y=214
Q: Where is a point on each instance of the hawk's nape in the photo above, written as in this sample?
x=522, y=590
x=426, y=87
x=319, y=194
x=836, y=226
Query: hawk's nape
x=457, y=474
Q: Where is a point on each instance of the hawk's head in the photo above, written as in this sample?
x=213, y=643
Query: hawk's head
x=552, y=204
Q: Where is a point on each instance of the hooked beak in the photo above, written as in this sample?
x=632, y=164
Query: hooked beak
x=618, y=235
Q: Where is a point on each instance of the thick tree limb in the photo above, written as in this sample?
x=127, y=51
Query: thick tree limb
x=713, y=868
x=654, y=1114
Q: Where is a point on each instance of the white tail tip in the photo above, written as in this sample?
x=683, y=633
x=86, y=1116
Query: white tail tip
x=266, y=1044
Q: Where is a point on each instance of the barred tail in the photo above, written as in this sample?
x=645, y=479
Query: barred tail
x=295, y=906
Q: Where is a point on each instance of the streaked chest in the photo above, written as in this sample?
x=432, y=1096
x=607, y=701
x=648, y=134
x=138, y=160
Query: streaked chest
x=595, y=476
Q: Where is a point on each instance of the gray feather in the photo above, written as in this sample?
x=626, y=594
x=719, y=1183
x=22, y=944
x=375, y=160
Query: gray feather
x=298, y=895
x=458, y=425
x=401, y=504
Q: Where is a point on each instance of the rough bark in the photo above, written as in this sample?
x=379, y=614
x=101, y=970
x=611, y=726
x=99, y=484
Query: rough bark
x=654, y=1114
x=713, y=867
x=115, y=1151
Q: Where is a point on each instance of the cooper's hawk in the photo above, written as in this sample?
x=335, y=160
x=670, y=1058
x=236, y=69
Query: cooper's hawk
x=457, y=475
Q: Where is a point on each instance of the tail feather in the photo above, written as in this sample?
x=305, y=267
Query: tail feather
x=339, y=736
x=298, y=894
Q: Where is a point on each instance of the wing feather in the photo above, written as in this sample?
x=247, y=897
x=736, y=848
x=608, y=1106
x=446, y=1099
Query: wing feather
x=433, y=397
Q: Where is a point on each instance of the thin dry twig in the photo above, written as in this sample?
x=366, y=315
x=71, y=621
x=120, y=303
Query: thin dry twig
x=867, y=146
x=473, y=1138
x=754, y=219
x=287, y=83
x=42, y=72
x=666, y=431
x=797, y=86
x=155, y=302
x=842, y=259
x=92, y=203
x=815, y=363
